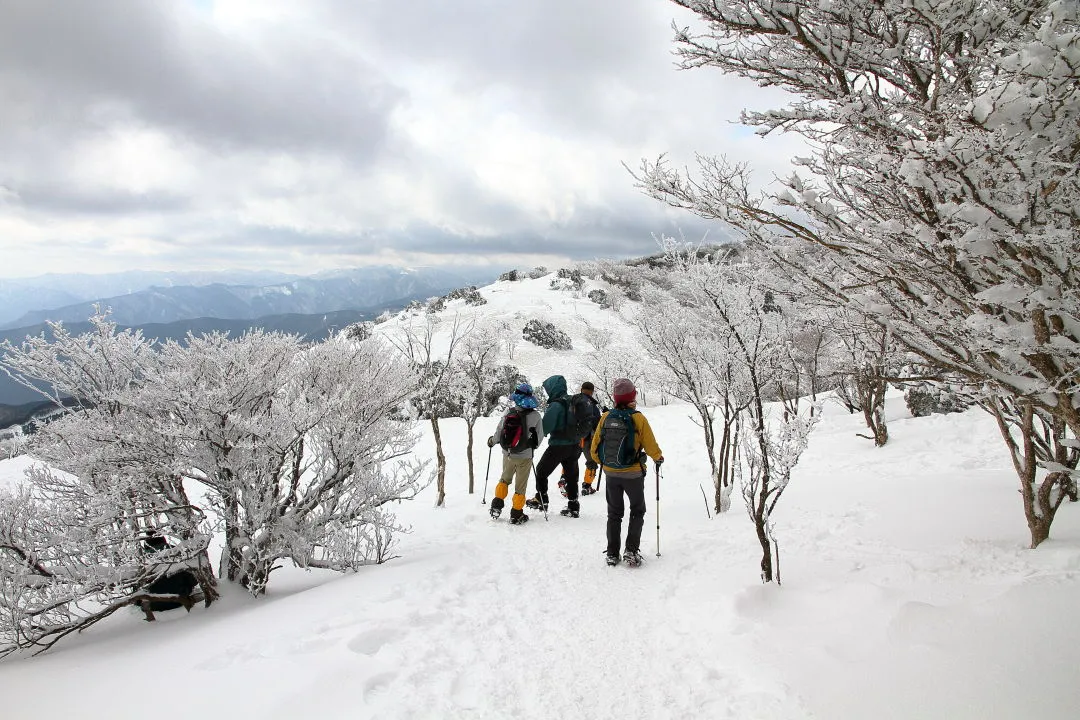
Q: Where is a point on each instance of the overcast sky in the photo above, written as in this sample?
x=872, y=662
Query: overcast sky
x=302, y=135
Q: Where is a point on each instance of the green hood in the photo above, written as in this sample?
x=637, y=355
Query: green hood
x=555, y=386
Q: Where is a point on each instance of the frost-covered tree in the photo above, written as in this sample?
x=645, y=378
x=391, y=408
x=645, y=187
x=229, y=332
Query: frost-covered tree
x=701, y=372
x=296, y=444
x=474, y=378
x=868, y=358
x=619, y=359
x=507, y=335
x=71, y=555
x=754, y=337
x=943, y=181
x=73, y=537
x=432, y=356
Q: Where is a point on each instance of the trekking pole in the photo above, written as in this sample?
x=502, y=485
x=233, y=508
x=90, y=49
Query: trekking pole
x=483, y=500
x=599, y=476
x=543, y=505
x=657, y=511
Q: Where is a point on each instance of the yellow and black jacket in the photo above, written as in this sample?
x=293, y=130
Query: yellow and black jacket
x=643, y=438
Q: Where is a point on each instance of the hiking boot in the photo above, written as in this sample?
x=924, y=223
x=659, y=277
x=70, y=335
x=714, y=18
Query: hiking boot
x=519, y=519
x=495, y=512
x=536, y=503
x=612, y=559
x=562, y=487
x=587, y=489
x=632, y=558
x=569, y=512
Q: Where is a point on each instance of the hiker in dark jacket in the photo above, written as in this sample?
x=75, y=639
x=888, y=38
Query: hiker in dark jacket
x=591, y=466
x=587, y=487
x=517, y=461
x=624, y=465
x=561, y=450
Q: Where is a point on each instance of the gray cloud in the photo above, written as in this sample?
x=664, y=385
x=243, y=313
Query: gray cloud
x=281, y=134
x=93, y=65
x=58, y=198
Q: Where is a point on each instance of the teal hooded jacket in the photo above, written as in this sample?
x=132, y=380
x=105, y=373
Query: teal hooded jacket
x=555, y=415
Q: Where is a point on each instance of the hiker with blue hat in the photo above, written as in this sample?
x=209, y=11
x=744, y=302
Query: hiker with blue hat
x=518, y=433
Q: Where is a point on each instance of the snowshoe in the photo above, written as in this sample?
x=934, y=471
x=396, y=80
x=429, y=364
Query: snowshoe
x=632, y=558
x=519, y=519
x=567, y=512
x=612, y=559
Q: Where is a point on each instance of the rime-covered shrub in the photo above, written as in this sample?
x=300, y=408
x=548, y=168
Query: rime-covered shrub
x=510, y=276
x=927, y=399
x=625, y=278
x=537, y=272
x=546, y=335
x=601, y=298
x=567, y=279
x=470, y=295
x=435, y=305
x=507, y=377
x=359, y=331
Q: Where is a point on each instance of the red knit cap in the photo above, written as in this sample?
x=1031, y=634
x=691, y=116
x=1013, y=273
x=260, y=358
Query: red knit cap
x=624, y=392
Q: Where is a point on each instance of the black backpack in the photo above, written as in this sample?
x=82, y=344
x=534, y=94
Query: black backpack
x=514, y=436
x=580, y=417
x=618, y=445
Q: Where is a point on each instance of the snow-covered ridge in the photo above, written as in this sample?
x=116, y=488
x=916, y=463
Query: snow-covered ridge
x=907, y=591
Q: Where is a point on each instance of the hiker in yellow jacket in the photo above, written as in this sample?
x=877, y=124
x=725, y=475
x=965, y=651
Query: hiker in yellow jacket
x=622, y=439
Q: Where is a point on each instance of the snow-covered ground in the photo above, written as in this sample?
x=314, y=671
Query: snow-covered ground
x=908, y=592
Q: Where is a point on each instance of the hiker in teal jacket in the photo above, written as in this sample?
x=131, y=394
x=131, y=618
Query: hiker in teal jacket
x=563, y=448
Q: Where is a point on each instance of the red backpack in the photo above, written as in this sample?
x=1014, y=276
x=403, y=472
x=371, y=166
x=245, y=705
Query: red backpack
x=515, y=433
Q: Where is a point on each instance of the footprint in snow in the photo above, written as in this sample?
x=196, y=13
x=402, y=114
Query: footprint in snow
x=370, y=642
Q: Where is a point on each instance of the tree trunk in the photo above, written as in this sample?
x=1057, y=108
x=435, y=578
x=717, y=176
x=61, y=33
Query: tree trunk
x=1041, y=500
x=871, y=389
x=468, y=454
x=440, y=463
x=207, y=582
x=256, y=575
x=766, y=547
x=761, y=507
x=724, y=473
x=231, y=556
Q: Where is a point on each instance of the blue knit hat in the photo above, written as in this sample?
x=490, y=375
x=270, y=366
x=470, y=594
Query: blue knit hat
x=523, y=396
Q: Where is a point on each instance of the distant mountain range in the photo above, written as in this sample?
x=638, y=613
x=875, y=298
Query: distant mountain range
x=178, y=303
x=15, y=398
x=182, y=296
x=19, y=296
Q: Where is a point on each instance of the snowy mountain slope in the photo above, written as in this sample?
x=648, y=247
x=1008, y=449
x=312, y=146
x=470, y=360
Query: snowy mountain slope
x=908, y=592
x=514, y=303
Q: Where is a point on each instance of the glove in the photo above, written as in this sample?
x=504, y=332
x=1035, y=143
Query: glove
x=491, y=442
x=659, y=462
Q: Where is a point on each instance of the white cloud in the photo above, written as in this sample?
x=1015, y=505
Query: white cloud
x=252, y=133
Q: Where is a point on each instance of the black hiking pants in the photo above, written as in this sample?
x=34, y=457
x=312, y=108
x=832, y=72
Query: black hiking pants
x=555, y=455
x=634, y=487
